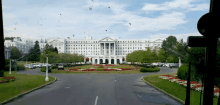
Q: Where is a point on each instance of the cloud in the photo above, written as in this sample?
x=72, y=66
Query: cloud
x=178, y=36
x=176, y=4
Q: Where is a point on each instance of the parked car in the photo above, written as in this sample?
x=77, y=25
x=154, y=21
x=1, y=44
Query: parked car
x=29, y=66
x=166, y=65
x=35, y=65
x=60, y=66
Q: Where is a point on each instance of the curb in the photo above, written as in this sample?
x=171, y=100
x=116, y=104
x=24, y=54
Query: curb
x=18, y=96
x=164, y=92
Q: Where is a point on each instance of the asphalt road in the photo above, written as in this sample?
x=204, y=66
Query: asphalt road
x=102, y=89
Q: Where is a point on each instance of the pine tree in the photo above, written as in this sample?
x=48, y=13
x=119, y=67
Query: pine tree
x=55, y=50
x=37, y=51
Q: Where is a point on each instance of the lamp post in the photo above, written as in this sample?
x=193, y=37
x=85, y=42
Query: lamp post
x=47, y=79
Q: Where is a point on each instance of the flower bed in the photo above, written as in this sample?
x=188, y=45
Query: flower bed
x=109, y=65
x=193, y=84
x=125, y=68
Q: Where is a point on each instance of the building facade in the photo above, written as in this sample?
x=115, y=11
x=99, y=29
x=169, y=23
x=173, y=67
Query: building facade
x=98, y=51
x=23, y=46
x=7, y=53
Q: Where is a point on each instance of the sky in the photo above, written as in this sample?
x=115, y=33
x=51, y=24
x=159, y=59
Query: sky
x=124, y=19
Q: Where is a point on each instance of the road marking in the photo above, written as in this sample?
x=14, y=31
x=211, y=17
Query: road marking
x=96, y=100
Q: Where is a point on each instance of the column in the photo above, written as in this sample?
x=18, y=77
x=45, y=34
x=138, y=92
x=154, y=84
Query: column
x=85, y=59
x=98, y=60
x=179, y=62
x=114, y=48
x=109, y=61
x=120, y=60
x=100, y=49
x=109, y=49
x=115, y=61
x=89, y=59
x=104, y=49
x=103, y=60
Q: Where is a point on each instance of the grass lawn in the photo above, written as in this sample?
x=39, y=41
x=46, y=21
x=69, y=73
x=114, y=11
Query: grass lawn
x=94, y=72
x=21, y=84
x=176, y=89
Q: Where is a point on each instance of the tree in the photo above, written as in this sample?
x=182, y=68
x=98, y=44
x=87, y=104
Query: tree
x=36, y=53
x=161, y=56
x=170, y=43
x=15, y=53
x=55, y=50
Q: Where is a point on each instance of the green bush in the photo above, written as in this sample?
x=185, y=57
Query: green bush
x=182, y=72
x=54, y=67
x=44, y=70
x=7, y=61
x=149, y=69
x=20, y=67
x=99, y=69
x=2, y=73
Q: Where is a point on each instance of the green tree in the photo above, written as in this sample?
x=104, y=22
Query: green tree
x=170, y=43
x=15, y=53
x=55, y=50
x=36, y=53
x=161, y=56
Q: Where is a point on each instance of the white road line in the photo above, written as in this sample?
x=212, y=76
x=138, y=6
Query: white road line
x=96, y=100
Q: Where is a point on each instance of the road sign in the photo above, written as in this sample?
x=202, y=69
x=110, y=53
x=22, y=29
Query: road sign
x=206, y=25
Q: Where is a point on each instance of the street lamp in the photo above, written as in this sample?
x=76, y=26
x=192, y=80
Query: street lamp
x=47, y=79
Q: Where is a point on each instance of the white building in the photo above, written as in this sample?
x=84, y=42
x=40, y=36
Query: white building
x=100, y=50
x=23, y=46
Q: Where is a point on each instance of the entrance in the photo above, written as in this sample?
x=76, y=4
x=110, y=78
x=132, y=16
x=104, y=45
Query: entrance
x=106, y=61
x=101, y=61
x=112, y=61
x=118, y=61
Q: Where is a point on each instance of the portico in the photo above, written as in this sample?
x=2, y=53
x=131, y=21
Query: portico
x=107, y=53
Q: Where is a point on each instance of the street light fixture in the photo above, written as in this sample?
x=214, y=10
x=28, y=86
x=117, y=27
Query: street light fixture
x=47, y=79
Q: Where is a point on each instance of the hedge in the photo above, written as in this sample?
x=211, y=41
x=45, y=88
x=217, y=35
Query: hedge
x=19, y=67
x=99, y=69
x=143, y=69
x=182, y=72
x=44, y=70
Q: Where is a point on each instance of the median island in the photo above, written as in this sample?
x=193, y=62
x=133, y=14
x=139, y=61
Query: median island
x=100, y=68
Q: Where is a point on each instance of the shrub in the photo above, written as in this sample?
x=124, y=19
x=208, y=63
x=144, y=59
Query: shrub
x=2, y=73
x=182, y=72
x=20, y=67
x=44, y=70
x=143, y=69
x=54, y=67
x=149, y=69
x=99, y=69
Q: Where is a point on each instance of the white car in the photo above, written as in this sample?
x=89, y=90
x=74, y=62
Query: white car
x=166, y=65
x=29, y=66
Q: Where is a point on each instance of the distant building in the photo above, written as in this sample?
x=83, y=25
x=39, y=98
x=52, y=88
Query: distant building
x=105, y=50
x=7, y=53
x=23, y=46
x=101, y=50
